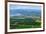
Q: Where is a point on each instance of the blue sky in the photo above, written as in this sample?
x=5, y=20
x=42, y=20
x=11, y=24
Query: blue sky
x=24, y=7
x=21, y=10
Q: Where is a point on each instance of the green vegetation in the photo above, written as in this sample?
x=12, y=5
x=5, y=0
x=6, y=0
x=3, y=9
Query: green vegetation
x=22, y=22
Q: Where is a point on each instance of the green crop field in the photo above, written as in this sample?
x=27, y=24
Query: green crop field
x=21, y=23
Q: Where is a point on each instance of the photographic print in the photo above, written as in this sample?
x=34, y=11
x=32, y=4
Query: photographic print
x=24, y=17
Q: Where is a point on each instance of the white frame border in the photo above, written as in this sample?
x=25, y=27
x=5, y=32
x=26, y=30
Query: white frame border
x=29, y=29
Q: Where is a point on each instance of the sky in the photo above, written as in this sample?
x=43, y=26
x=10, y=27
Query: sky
x=23, y=10
x=24, y=7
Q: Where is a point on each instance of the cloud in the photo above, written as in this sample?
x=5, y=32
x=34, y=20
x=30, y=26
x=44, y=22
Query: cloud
x=18, y=14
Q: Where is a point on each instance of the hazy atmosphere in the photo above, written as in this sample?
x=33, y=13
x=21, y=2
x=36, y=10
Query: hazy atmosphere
x=25, y=16
x=20, y=10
